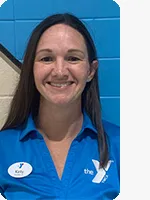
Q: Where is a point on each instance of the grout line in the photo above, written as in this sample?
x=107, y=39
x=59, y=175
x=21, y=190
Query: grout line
x=15, y=49
x=101, y=18
x=5, y=96
x=109, y=97
x=34, y=20
x=108, y=58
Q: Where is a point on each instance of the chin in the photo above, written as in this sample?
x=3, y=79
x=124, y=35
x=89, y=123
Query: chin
x=60, y=102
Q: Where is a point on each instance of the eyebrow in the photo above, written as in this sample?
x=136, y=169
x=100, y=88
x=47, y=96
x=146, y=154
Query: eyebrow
x=75, y=50
x=44, y=50
x=69, y=51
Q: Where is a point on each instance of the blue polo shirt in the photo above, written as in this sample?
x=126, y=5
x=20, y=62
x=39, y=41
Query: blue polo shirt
x=27, y=171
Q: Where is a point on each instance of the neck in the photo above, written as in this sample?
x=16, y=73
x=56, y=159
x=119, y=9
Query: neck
x=59, y=123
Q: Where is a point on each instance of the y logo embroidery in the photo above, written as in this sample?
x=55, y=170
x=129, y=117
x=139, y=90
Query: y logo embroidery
x=100, y=172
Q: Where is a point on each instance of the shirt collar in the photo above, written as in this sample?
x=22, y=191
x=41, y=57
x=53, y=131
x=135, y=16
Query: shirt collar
x=30, y=126
x=87, y=124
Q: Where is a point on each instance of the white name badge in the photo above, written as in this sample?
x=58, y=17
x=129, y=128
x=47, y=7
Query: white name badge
x=20, y=169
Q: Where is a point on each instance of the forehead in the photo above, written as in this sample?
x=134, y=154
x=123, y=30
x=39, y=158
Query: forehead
x=62, y=35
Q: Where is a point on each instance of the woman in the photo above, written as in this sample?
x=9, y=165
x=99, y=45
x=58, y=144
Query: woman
x=54, y=144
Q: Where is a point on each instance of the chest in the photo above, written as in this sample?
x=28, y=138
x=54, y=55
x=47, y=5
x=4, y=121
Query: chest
x=81, y=177
x=59, y=152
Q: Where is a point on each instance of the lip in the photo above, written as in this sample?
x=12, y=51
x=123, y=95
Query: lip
x=60, y=85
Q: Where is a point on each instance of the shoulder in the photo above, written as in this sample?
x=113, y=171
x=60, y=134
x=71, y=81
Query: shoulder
x=8, y=136
x=112, y=131
x=113, y=135
x=8, y=132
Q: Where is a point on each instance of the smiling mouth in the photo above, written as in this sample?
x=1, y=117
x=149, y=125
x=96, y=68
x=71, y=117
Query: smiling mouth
x=60, y=85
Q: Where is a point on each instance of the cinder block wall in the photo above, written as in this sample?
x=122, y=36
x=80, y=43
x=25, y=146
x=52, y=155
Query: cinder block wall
x=102, y=17
x=9, y=77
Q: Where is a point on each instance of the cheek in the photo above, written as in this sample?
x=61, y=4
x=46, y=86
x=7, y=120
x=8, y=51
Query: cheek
x=36, y=75
x=38, y=72
x=83, y=72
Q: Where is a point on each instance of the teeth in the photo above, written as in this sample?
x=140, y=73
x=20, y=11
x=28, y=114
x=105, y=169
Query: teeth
x=60, y=84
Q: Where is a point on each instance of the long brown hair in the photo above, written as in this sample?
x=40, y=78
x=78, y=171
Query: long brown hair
x=26, y=97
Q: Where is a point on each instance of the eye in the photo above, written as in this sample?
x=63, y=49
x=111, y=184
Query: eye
x=46, y=59
x=73, y=59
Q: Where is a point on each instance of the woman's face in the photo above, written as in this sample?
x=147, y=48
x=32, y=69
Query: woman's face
x=61, y=67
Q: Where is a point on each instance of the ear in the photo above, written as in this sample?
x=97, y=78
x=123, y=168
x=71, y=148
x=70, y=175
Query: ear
x=93, y=68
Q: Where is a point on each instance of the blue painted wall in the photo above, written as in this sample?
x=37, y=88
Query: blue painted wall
x=102, y=18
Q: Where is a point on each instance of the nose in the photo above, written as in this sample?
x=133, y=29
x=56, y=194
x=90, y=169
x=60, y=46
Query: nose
x=60, y=68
